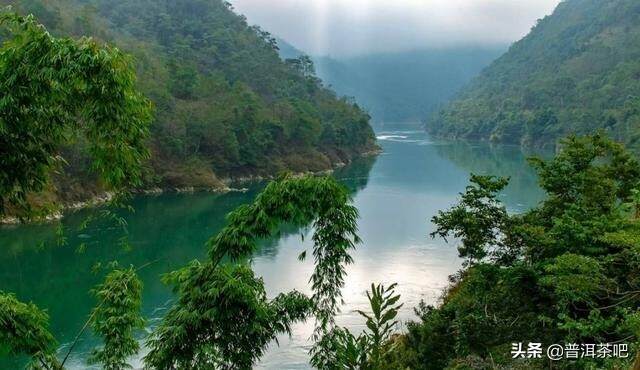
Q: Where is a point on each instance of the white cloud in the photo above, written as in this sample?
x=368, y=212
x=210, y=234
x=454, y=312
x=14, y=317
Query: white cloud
x=351, y=27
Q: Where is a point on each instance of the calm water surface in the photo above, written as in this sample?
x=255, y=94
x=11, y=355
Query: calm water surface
x=397, y=193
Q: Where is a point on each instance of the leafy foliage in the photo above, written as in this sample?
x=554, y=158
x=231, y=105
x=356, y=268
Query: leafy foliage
x=572, y=276
x=477, y=219
x=222, y=320
x=575, y=72
x=24, y=330
x=340, y=349
x=635, y=203
x=381, y=321
x=54, y=89
x=116, y=317
x=222, y=317
x=226, y=104
x=223, y=308
x=299, y=201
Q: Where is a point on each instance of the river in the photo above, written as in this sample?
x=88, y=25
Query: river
x=396, y=193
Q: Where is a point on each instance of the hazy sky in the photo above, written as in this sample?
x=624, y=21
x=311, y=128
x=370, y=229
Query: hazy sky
x=352, y=27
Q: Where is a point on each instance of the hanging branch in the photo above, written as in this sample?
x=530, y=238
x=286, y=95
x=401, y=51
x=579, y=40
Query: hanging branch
x=220, y=303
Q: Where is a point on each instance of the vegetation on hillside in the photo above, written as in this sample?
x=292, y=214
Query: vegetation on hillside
x=56, y=90
x=567, y=271
x=222, y=317
x=225, y=103
x=575, y=72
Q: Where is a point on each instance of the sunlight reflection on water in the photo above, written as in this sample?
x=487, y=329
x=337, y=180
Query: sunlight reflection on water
x=396, y=196
x=407, y=186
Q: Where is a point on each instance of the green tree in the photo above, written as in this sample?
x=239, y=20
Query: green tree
x=222, y=320
x=222, y=309
x=232, y=127
x=572, y=274
x=115, y=317
x=478, y=220
x=24, y=331
x=573, y=73
x=635, y=203
x=55, y=89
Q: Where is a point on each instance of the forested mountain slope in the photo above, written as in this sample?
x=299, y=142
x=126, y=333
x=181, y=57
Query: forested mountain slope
x=402, y=86
x=577, y=71
x=225, y=103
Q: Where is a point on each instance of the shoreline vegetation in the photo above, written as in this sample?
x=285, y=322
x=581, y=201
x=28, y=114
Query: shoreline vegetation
x=59, y=210
x=566, y=271
x=222, y=103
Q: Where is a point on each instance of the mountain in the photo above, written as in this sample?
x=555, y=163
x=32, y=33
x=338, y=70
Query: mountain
x=577, y=71
x=226, y=104
x=405, y=86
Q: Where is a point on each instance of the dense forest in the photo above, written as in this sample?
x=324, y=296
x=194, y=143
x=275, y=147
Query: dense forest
x=225, y=103
x=577, y=71
x=404, y=86
x=566, y=271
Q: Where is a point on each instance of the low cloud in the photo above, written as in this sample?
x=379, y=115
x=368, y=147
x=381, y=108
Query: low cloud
x=354, y=27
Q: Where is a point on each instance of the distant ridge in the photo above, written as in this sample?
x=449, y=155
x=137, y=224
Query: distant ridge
x=577, y=71
x=405, y=86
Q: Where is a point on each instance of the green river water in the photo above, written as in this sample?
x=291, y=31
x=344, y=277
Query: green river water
x=397, y=193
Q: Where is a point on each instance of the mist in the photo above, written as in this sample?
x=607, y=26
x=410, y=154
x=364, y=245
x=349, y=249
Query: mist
x=340, y=28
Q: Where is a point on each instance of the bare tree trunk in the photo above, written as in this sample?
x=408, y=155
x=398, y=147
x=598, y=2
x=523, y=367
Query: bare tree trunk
x=636, y=364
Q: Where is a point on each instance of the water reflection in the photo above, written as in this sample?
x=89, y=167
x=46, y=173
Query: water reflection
x=396, y=193
x=409, y=183
x=499, y=160
x=169, y=229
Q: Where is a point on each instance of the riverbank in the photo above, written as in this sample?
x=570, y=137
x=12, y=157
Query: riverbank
x=51, y=210
x=396, y=195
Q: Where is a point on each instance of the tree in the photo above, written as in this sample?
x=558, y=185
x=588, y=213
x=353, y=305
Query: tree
x=562, y=78
x=303, y=65
x=24, y=327
x=478, y=219
x=227, y=129
x=24, y=331
x=222, y=319
x=115, y=317
x=635, y=203
x=222, y=308
x=54, y=89
x=572, y=274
